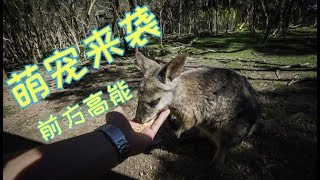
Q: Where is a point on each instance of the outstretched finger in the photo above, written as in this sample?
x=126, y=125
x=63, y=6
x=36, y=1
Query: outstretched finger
x=155, y=126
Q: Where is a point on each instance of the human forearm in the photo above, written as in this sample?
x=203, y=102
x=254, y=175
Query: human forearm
x=84, y=156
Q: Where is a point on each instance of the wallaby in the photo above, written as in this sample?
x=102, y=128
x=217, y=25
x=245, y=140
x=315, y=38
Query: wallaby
x=217, y=100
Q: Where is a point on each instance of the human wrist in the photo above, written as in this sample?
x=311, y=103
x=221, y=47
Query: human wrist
x=107, y=146
x=117, y=138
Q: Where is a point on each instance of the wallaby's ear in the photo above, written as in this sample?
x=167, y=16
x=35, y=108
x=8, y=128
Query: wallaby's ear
x=145, y=64
x=173, y=69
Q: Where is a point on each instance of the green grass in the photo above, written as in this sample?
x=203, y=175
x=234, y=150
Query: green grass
x=298, y=47
x=130, y=66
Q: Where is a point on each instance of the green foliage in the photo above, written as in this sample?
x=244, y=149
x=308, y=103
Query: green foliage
x=233, y=13
x=48, y=24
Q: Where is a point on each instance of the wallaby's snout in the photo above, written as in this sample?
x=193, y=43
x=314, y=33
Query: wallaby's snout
x=144, y=113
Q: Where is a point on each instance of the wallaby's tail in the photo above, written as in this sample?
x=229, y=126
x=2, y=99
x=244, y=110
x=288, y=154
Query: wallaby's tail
x=262, y=124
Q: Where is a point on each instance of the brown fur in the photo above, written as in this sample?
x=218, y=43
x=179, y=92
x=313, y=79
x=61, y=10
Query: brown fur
x=219, y=100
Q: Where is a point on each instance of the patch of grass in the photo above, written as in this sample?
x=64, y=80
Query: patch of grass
x=296, y=42
x=228, y=43
x=130, y=66
x=298, y=47
x=307, y=74
x=256, y=84
x=295, y=89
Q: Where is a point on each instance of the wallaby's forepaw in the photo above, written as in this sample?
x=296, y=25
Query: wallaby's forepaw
x=178, y=133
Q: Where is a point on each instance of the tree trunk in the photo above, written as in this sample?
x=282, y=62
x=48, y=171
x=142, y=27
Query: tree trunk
x=195, y=27
x=179, y=16
x=209, y=22
x=161, y=23
x=132, y=6
x=265, y=14
x=228, y=16
x=286, y=18
x=252, y=17
x=217, y=25
x=117, y=13
x=274, y=22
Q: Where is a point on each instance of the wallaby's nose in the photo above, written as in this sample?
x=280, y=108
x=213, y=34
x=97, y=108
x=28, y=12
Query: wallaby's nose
x=173, y=124
x=137, y=119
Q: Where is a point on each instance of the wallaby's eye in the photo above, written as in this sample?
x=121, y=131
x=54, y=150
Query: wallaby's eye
x=154, y=103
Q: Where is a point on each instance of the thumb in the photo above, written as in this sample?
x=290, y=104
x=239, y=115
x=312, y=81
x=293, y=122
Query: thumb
x=119, y=109
x=114, y=114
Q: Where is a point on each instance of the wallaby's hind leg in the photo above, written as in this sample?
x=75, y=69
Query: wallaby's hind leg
x=220, y=154
x=235, y=135
x=226, y=140
x=184, y=127
x=185, y=123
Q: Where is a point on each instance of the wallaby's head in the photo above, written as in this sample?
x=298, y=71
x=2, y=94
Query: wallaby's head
x=157, y=86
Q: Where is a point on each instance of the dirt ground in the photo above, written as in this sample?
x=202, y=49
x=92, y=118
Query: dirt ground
x=288, y=150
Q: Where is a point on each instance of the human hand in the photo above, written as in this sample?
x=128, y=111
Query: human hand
x=138, y=141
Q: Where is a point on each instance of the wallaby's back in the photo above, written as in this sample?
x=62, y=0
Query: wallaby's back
x=215, y=98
